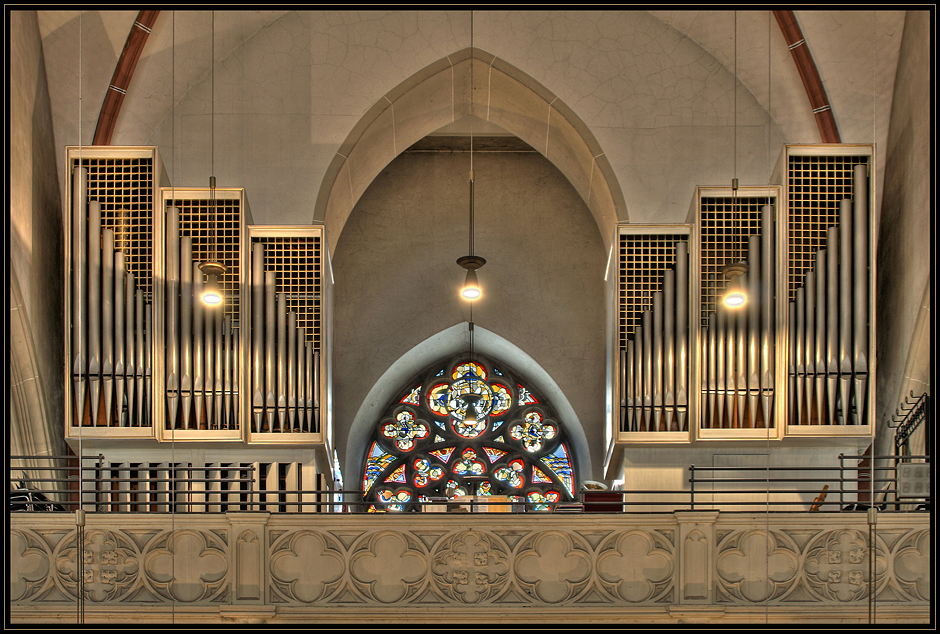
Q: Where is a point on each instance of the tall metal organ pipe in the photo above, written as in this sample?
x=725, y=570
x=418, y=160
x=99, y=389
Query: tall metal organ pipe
x=860, y=295
x=819, y=365
x=832, y=322
x=270, y=339
x=186, y=328
x=172, y=314
x=79, y=299
x=682, y=336
x=199, y=397
x=767, y=330
x=669, y=351
x=753, y=330
x=257, y=336
x=657, y=361
x=845, y=309
x=94, y=307
x=131, y=359
x=119, y=275
x=107, y=321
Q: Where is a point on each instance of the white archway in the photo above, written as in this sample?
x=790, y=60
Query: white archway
x=445, y=343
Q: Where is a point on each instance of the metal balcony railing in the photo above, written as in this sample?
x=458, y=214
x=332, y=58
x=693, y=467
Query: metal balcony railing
x=65, y=483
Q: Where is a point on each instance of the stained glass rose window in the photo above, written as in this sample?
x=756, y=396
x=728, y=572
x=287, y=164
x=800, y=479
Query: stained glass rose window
x=427, y=446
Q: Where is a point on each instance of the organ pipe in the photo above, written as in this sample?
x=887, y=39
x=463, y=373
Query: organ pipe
x=257, y=334
x=281, y=362
x=669, y=351
x=107, y=321
x=819, y=365
x=832, y=321
x=198, y=342
x=647, y=322
x=720, y=353
x=657, y=368
x=303, y=420
x=133, y=396
x=270, y=384
x=860, y=295
x=845, y=309
x=809, y=342
x=218, y=367
x=119, y=275
x=208, y=313
x=79, y=300
x=172, y=310
x=186, y=327
x=292, y=370
x=767, y=329
x=94, y=306
x=682, y=338
x=139, y=384
x=753, y=328
x=229, y=416
x=741, y=360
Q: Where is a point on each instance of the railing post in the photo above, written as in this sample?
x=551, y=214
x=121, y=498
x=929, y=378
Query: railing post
x=841, y=481
x=692, y=487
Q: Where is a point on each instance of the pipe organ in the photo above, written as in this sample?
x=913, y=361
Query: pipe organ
x=797, y=359
x=288, y=266
x=737, y=345
x=153, y=373
x=654, y=331
x=201, y=366
x=109, y=297
x=830, y=356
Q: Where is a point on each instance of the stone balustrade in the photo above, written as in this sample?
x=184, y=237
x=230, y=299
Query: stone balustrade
x=683, y=567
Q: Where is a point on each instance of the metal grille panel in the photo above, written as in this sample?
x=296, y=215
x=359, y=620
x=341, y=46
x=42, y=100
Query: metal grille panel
x=298, y=262
x=816, y=184
x=643, y=259
x=224, y=231
x=726, y=223
x=124, y=189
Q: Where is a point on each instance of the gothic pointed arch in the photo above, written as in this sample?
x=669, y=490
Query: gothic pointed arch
x=445, y=92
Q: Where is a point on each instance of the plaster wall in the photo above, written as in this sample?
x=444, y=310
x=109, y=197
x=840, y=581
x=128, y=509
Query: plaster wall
x=35, y=227
x=905, y=238
x=397, y=277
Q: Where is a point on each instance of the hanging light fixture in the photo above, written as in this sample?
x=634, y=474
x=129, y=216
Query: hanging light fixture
x=471, y=287
x=735, y=294
x=213, y=269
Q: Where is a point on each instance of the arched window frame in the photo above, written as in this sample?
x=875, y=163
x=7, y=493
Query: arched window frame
x=421, y=451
